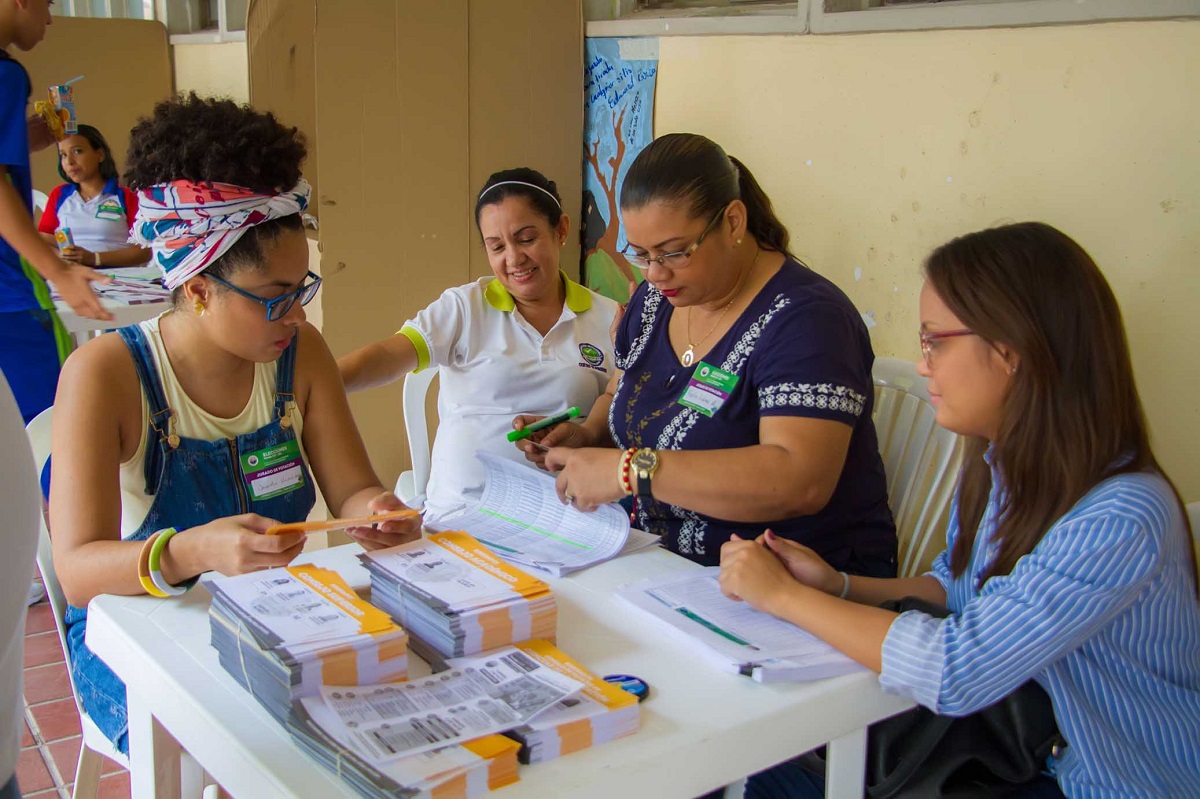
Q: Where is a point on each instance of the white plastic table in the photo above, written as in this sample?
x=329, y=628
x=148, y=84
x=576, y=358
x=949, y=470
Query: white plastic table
x=700, y=729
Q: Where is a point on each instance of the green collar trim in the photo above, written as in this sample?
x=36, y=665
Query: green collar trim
x=578, y=299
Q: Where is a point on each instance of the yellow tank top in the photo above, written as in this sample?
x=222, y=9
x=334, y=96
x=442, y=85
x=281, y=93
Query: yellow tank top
x=192, y=421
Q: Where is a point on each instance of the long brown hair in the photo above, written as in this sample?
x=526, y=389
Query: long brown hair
x=1072, y=415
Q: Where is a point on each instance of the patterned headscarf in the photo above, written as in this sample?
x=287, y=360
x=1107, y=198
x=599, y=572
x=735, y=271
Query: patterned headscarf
x=188, y=226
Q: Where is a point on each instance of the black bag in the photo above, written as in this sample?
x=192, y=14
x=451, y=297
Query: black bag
x=919, y=755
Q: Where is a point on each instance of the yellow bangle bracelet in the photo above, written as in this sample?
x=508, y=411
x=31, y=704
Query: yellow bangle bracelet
x=144, y=568
x=155, y=567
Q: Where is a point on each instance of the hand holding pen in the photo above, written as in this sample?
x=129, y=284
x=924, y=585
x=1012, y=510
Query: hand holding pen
x=536, y=435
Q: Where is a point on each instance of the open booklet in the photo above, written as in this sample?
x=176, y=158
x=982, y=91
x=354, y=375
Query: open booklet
x=519, y=517
x=732, y=635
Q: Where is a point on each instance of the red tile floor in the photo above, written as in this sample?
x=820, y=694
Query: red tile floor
x=50, y=740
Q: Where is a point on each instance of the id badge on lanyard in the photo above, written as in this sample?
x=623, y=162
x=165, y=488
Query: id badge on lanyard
x=272, y=471
x=708, y=389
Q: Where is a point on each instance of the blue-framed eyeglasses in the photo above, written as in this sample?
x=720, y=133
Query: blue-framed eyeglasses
x=278, y=307
x=674, y=260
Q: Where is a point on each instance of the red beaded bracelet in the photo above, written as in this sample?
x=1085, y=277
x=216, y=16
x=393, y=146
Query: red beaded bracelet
x=623, y=472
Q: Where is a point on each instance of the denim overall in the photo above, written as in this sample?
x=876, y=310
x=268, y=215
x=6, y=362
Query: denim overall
x=193, y=482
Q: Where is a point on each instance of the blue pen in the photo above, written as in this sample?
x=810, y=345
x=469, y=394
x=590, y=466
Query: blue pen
x=541, y=424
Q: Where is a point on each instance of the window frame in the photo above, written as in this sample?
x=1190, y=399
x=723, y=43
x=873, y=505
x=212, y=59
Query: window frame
x=620, y=18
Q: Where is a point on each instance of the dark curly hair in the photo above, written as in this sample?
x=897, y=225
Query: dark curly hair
x=214, y=140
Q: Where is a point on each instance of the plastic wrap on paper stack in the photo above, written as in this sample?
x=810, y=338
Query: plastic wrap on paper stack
x=456, y=597
x=283, y=633
x=453, y=772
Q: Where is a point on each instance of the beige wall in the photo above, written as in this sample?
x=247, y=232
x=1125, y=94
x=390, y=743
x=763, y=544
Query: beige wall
x=121, y=81
x=213, y=69
x=876, y=148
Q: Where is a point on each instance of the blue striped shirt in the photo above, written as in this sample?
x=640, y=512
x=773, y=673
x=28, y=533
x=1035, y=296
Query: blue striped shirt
x=1102, y=614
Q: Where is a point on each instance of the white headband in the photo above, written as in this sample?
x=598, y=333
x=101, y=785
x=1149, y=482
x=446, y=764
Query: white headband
x=520, y=183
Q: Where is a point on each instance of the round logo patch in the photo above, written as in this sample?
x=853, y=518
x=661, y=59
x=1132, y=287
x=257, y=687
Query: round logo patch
x=591, y=355
x=252, y=460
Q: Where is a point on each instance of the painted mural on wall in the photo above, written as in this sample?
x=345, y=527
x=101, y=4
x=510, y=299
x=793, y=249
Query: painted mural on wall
x=619, y=78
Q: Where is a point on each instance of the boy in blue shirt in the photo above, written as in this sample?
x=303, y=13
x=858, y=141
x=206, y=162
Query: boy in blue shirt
x=29, y=348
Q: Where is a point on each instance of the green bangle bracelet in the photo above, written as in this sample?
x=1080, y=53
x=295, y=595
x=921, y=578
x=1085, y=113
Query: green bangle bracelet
x=160, y=582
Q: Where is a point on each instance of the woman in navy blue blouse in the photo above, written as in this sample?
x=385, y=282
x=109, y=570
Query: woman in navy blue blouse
x=1068, y=558
x=744, y=397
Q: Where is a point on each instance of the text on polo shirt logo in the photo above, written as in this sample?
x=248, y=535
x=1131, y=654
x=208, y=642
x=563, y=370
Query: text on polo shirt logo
x=593, y=357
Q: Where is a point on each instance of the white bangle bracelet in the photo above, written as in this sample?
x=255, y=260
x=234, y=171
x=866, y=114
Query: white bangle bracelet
x=845, y=585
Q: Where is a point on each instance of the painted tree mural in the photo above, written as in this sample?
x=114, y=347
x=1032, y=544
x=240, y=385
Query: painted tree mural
x=620, y=97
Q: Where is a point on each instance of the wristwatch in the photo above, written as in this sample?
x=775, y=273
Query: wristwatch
x=644, y=464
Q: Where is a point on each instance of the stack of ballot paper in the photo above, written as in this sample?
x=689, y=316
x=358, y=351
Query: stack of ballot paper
x=284, y=633
x=381, y=738
x=519, y=516
x=452, y=772
x=456, y=598
x=601, y=712
x=732, y=635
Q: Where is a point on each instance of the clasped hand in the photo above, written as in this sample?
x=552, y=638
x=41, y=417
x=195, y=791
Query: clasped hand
x=765, y=571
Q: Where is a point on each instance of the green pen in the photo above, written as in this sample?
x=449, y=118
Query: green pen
x=541, y=424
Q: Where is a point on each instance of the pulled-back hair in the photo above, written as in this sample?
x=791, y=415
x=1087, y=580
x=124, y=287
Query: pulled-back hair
x=108, y=166
x=520, y=182
x=693, y=172
x=1072, y=416
x=213, y=140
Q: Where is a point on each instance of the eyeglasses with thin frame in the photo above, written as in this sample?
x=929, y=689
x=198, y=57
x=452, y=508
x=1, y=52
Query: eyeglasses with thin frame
x=674, y=260
x=278, y=307
x=928, y=339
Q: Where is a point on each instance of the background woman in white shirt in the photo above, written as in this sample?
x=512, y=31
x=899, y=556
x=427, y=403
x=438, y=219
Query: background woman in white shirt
x=98, y=211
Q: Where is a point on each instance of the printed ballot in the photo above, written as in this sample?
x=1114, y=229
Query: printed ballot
x=456, y=597
x=478, y=696
x=465, y=771
x=732, y=635
x=599, y=713
x=283, y=633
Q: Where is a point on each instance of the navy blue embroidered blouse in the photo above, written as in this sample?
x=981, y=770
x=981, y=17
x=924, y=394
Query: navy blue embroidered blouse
x=799, y=349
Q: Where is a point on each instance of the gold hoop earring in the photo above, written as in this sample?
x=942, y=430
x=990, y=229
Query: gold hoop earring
x=199, y=307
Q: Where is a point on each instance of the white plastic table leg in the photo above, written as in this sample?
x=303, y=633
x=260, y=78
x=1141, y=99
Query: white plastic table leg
x=153, y=755
x=846, y=765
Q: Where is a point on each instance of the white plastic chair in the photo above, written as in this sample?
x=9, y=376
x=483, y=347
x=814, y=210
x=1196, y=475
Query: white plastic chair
x=1193, y=511
x=94, y=745
x=920, y=458
x=411, y=485
x=39, y=204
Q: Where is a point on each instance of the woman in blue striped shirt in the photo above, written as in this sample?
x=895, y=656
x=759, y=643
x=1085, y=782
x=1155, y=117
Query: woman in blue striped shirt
x=1069, y=559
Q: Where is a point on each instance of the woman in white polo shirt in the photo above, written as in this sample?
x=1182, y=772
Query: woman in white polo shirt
x=528, y=340
x=97, y=210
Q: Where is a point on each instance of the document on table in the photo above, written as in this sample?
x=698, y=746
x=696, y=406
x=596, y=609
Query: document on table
x=299, y=604
x=733, y=635
x=127, y=291
x=519, y=516
x=480, y=696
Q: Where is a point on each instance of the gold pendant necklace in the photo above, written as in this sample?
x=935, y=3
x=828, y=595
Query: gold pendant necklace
x=689, y=355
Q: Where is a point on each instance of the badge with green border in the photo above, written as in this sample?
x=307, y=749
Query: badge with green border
x=708, y=389
x=272, y=471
